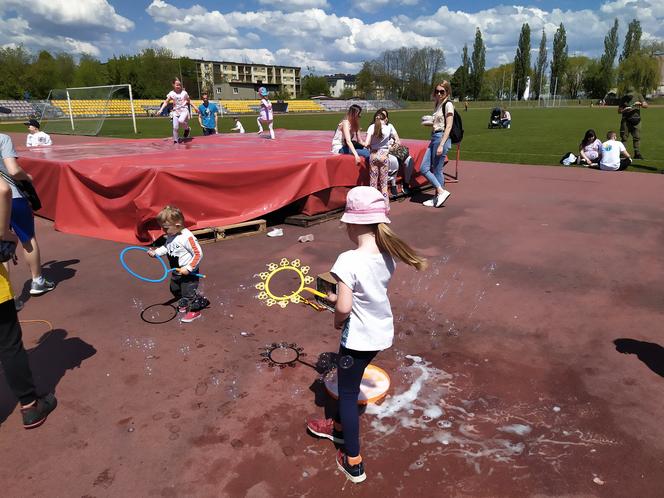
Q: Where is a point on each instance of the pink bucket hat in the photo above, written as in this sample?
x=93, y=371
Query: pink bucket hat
x=365, y=206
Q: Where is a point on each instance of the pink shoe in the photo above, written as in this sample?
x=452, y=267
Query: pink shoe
x=190, y=316
x=324, y=427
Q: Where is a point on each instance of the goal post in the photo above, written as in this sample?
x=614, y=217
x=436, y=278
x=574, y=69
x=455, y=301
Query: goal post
x=83, y=110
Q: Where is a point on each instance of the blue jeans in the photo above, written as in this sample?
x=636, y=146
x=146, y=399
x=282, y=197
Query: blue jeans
x=349, y=380
x=432, y=165
x=362, y=152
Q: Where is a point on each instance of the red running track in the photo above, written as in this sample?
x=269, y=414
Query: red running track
x=112, y=189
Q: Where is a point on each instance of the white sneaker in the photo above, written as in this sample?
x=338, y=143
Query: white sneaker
x=441, y=198
x=430, y=202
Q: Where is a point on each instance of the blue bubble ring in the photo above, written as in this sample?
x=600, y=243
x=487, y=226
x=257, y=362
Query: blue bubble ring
x=141, y=277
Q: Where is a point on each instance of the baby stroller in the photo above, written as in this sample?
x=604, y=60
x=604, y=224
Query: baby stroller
x=494, y=120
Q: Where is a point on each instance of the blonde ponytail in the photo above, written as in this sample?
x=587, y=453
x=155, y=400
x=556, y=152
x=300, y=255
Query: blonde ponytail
x=387, y=241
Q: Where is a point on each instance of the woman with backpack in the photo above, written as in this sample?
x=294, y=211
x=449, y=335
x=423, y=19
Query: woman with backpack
x=434, y=159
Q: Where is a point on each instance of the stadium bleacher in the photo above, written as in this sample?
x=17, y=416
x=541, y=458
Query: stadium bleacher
x=19, y=108
x=366, y=105
x=122, y=107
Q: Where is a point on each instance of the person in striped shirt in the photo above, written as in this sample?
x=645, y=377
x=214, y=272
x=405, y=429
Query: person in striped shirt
x=184, y=255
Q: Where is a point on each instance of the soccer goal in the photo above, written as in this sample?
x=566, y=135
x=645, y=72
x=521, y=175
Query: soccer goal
x=83, y=110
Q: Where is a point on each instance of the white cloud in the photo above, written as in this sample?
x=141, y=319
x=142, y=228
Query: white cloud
x=196, y=19
x=60, y=25
x=312, y=37
x=73, y=13
x=291, y=5
x=310, y=33
x=186, y=44
x=17, y=31
x=501, y=26
x=376, y=5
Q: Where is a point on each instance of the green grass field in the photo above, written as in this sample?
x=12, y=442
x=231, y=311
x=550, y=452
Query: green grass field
x=537, y=135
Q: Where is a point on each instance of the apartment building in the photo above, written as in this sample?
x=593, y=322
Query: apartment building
x=239, y=81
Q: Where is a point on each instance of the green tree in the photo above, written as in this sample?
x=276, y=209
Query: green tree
x=124, y=70
x=593, y=80
x=639, y=71
x=559, y=59
x=608, y=58
x=347, y=93
x=14, y=62
x=522, y=61
x=188, y=69
x=90, y=72
x=478, y=61
x=495, y=79
x=313, y=86
x=540, y=66
x=43, y=75
x=66, y=67
x=464, y=75
x=632, y=40
x=575, y=74
x=364, y=82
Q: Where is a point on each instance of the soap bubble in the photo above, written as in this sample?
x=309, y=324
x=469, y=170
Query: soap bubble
x=346, y=361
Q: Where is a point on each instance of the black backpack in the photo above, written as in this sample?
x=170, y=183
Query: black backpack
x=456, y=133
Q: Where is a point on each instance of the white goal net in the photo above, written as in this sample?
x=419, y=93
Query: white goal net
x=83, y=110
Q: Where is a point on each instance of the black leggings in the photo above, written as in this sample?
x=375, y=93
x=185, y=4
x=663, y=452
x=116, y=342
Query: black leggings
x=13, y=357
x=185, y=287
x=348, y=412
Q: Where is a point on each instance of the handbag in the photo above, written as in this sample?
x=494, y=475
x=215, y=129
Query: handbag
x=27, y=190
x=401, y=152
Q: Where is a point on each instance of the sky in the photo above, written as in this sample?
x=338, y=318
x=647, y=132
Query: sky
x=324, y=36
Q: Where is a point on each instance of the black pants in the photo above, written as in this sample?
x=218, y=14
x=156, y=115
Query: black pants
x=209, y=131
x=185, y=287
x=13, y=357
x=624, y=163
x=349, y=380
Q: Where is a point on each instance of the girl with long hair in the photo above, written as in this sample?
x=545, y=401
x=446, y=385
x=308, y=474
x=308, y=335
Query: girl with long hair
x=363, y=314
x=379, y=134
x=590, y=149
x=434, y=158
x=346, y=137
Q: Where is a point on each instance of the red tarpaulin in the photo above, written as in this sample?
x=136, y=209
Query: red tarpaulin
x=113, y=189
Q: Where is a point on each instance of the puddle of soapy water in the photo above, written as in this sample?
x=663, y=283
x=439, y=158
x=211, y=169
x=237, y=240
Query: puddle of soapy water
x=430, y=408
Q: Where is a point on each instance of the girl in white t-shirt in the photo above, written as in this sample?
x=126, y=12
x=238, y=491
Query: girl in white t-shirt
x=362, y=313
x=180, y=99
x=378, y=139
x=266, y=115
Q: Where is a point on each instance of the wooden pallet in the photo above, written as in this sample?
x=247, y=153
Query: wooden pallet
x=236, y=230
x=302, y=220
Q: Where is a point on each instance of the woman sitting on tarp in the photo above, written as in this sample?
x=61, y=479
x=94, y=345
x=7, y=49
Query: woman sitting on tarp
x=346, y=138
